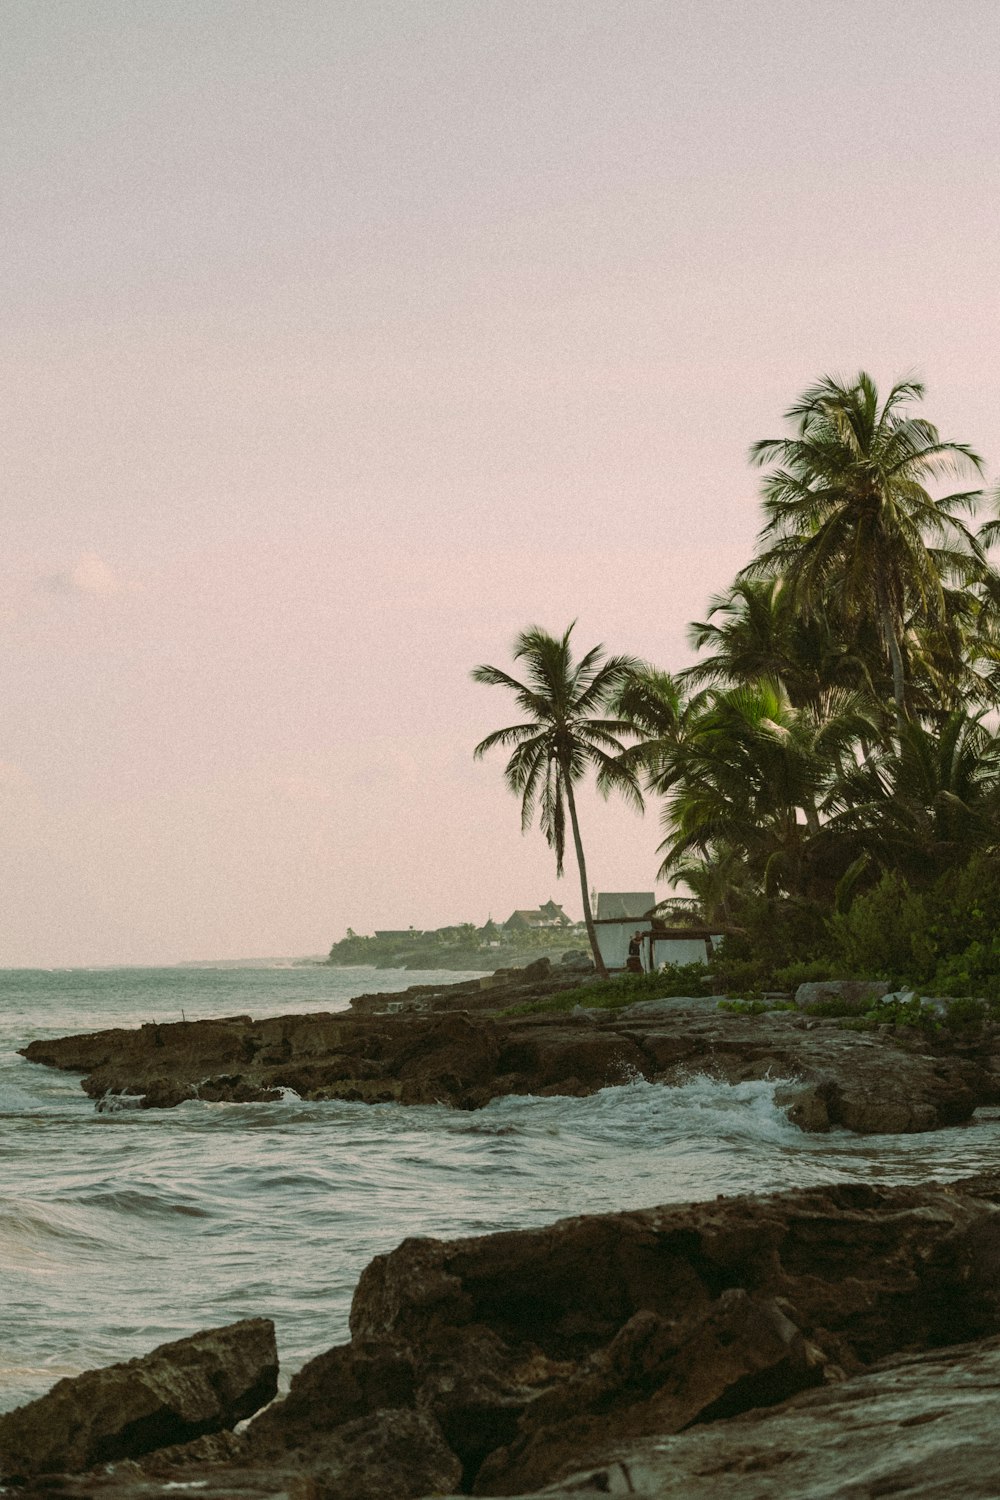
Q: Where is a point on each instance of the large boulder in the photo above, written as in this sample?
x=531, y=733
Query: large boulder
x=842, y=997
x=176, y=1393
x=923, y=1426
x=396, y=1452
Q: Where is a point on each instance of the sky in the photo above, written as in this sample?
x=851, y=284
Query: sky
x=347, y=338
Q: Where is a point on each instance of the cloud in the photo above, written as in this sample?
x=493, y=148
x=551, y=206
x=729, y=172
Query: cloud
x=90, y=574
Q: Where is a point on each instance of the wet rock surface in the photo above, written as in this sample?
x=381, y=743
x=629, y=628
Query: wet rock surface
x=923, y=1426
x=866, y=1082
x=735, y=1346
x=176, y=1393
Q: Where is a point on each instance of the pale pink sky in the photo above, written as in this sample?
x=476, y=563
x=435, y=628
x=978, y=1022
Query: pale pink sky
x=346, y=339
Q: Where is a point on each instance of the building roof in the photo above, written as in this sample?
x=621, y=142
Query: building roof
x=627, y=904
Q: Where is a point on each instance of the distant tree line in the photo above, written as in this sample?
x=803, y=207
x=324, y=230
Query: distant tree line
x=461, y=946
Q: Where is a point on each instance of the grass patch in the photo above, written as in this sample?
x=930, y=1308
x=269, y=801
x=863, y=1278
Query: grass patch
x=755, y=1006
x=613, y=994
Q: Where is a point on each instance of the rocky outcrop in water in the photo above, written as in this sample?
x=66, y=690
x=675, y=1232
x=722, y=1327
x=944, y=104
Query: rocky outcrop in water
x=178, y=1392
x=708, y=1349
x=863, y=1081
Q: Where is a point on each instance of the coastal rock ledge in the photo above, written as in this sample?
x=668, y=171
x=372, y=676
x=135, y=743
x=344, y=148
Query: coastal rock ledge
x=832, y=1341
x=870, y=1083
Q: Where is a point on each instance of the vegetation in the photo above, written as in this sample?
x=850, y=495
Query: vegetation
x=828, y=771
x=567, y=733
x=679, y=980
x=462, y=946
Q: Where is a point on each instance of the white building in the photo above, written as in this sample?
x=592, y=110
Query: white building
x=622, y=914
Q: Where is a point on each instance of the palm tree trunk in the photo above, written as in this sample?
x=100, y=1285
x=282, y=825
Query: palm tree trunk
x=812, y=816
x=588, y=917
x=896, y=658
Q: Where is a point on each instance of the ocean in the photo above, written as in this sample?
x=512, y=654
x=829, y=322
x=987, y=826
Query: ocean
x=121, y=1228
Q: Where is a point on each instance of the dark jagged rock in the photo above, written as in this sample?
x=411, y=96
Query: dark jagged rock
x=921, y=1426
x=865, y=1082
x=660, y=1352
x=604, y=1327
x=179, y=1391
x=850, y=996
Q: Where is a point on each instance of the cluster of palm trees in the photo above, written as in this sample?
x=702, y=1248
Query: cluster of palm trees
x=840, y=720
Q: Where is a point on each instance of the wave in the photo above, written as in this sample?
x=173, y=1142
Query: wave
x=34, y=1235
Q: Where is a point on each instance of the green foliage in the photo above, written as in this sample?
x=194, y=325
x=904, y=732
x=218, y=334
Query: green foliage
x=678, y=980
x=455, y=947
x=755, y=1007
x=884, y=935
x=806, y=971
x=776, y=939
x=944, y=940
x=902, y=1014
x=966, y=1016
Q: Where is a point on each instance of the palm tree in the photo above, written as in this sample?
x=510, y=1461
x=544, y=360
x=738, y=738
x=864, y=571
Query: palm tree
x=567, y=733
x=927, y=803
x=850, y=522
x=757, y=631
x=747, y=782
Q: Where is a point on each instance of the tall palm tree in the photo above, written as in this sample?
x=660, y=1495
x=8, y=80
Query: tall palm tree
x=756, y=630
x=850, y=521
x=927, y=803
x=567, y=733
x=750, y=777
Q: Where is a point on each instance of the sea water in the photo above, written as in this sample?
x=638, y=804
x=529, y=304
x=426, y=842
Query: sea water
x=121, y=1229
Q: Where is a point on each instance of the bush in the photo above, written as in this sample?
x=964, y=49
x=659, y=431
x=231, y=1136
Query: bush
x=629, y=989
x=910, y=1014
x=885, y=934
x=755, y=1007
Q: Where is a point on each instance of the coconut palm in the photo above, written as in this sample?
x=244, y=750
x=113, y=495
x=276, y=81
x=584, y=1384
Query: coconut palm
x=850, y=523
x=751, y=777
x=927, y=803
x=756, y=630
x=567, y=733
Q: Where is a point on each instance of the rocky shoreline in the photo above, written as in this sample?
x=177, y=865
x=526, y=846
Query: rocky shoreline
x=826, y=1342
x=822, y=1342
x=456, y=1046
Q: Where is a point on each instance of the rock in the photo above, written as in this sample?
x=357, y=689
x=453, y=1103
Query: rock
x=177, y=1392
x=864, y=1082
x=395, y=1453
x=629, y=1324
x=696, y=1350
x=805, y=1105
x=339, y=1386
x=922, y=1425
x=842, y=997
x=742, y=1352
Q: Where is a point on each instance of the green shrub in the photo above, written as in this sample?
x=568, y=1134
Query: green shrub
x=628, y=989
x=813, y=971
x=885, y=933
x=965, y=1016
x=909, y=1014
x=755, y=1006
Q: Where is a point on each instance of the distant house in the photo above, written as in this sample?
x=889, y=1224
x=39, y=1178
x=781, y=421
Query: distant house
x=549, y=915
x=490, y=934
x=620, y=914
